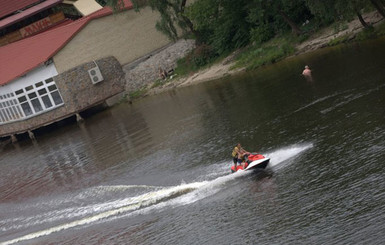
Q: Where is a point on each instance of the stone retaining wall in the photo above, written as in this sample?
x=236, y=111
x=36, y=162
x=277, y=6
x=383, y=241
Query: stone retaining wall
x=78, y=93
x=144, y=71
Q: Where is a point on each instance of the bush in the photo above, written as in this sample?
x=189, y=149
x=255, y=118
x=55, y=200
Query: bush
x=138, y=93
x=202, y=55
x=380, y=29
x=196, y=59
x=338, y=40
x=339, y=26
x=261, y=34
x=255, y=56
x=367, y=33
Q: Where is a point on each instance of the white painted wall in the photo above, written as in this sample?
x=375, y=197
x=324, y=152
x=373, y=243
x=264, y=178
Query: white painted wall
x=39, y=74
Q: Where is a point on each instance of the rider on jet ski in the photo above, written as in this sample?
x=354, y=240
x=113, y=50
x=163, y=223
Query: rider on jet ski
x=238, y=155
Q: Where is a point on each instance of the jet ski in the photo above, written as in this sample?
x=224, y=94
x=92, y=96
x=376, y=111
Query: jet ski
x=253, y=161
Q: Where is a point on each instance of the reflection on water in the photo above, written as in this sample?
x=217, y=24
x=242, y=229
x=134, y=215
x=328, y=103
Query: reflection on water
x=148, y=172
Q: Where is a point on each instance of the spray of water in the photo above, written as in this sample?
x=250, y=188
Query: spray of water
x=158, y=198
x=279, y=157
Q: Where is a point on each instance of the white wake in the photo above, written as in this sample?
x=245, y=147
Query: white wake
x=156, y=199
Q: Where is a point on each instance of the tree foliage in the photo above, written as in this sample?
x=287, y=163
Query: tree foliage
x=221, y=23
x=228, y=24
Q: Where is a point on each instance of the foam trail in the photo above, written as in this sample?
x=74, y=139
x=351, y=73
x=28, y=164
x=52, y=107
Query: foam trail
x=214, y=186
x=136, y=203
x=170, y=196
x=77, y=212
x=317, y=101
x=279, y=156
x=351, y=98
x=206, y=190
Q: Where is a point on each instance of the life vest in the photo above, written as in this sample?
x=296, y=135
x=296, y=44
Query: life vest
x=235, y=151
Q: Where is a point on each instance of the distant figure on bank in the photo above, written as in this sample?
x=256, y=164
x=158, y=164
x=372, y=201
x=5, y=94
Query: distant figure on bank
x=307, y=72
x=162, y=73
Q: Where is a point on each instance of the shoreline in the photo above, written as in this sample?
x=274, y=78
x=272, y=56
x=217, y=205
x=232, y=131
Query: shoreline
x=318, y=40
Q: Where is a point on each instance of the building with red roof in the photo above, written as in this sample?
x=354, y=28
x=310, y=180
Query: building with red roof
x=9, y=7
x=28, y=53
x=70, y=66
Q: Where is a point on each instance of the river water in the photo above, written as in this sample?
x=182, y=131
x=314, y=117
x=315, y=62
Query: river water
x=158, y=171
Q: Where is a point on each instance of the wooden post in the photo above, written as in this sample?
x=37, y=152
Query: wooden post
x=13, y=138
x=31, y=135
x=79, y=118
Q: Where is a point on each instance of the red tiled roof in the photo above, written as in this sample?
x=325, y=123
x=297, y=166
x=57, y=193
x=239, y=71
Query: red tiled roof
x=18, y=58
x=28, y=12
x=9, y=6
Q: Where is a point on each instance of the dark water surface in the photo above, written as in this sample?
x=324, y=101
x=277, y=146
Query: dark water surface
x=157, y=171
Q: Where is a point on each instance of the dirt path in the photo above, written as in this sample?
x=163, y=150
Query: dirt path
x=323, y=37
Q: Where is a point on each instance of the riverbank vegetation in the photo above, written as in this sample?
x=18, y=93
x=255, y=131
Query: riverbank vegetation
x=265, y=30
x=257, y=32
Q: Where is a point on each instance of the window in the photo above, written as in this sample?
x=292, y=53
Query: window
x=8, y=110
x=29, y=101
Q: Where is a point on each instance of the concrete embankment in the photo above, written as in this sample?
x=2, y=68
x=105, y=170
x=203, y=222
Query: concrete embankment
x=145, y=70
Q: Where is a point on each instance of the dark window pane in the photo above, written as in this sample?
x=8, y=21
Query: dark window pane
x=57, y=98
x=36, y=105
x=29, y=88
x=12, y=113
x=42, y=91
x=15, y=112
x=9, y=114
x=39, y=84
x=3, y=118
x=19, y=92
x=32, y=95
x=6, y=115
x=49, y=80
x=52, y=87
x=47, y=101
x=19, y=110
x=27, y=109
x=1, y=97
x=22, y=99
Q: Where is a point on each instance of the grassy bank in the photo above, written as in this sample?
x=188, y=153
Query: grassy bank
x=256, y=55
x=268, y=53
x=278, y=48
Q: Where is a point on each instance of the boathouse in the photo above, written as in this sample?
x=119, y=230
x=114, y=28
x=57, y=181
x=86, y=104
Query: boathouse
x=61, y=68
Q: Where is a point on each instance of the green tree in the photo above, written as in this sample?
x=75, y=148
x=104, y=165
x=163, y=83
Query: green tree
x=229, y=25
x=279, y=14
x=223, y=23
x=336, y=10
x=323, y=10
x=379, y=5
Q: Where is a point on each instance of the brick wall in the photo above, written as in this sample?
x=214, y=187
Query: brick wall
x=78, y=93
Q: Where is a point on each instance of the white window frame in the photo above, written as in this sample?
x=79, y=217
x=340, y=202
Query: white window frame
x=11, y=96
